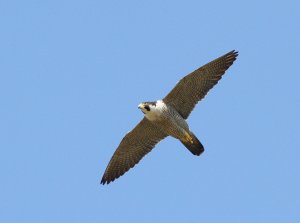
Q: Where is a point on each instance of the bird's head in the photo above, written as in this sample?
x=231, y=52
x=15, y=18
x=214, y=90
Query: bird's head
x=146, y=107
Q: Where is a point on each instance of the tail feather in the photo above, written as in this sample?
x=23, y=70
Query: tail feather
x=196, y=147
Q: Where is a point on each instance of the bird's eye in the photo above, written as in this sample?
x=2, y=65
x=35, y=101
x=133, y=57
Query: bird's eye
x=147, y=107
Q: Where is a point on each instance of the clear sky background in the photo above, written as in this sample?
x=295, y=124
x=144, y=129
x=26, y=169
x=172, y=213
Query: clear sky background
x=73, y=72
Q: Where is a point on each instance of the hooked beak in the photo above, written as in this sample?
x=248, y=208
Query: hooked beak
x=140, y=106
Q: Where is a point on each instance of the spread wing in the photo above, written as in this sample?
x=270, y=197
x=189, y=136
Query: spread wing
x=193, y=87
x=133, y=147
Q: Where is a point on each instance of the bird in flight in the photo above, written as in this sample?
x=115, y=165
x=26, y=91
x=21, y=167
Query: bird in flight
x=167, y=117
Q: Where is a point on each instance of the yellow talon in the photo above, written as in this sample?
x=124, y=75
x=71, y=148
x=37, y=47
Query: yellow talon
x=188, y=138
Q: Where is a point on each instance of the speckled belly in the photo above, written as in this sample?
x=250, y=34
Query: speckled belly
x=172, y=127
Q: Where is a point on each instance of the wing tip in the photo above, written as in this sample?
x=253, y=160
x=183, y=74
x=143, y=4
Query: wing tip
x=231, y=57
x=105, y=181
x=234, y=54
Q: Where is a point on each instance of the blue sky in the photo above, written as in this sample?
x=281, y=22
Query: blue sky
x=73, y=73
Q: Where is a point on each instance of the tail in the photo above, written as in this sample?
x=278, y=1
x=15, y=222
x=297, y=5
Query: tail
x=195, y=146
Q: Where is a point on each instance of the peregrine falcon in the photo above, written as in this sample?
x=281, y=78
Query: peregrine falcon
x=167, y=117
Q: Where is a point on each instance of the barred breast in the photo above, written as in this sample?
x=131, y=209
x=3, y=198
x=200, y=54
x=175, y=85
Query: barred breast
x=171, y=122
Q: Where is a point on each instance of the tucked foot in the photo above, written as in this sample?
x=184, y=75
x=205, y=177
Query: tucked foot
x=192, y=143
x=188, y=138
